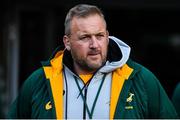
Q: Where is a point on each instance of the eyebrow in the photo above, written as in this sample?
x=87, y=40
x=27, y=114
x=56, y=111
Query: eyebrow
x=92, y=34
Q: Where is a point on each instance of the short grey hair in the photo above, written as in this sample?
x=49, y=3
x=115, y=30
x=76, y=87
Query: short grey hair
x=80, y=11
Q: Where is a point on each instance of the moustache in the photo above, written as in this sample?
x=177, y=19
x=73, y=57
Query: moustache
x=94, y=52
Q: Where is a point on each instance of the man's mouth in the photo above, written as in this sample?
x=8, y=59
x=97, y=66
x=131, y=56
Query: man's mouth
x=94, y=53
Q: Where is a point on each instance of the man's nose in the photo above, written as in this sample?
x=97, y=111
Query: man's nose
x=93, y=42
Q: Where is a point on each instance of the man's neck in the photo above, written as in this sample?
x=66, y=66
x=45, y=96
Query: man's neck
x=81, y=71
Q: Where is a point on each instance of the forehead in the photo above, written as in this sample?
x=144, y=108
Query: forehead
x=88, y=24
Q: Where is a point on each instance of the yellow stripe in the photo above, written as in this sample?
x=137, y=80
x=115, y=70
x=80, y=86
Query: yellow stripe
x=118, y=79
x=54, y=74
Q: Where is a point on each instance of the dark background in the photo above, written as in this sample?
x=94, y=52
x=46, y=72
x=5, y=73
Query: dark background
x=31, y=29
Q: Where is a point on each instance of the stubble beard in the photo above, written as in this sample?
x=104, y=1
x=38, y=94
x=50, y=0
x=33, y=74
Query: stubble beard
x=88, y=65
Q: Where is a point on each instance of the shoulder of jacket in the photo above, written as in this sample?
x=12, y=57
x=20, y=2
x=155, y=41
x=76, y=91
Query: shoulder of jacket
x=143, y=76
x=140, y=69
x=37, y=74
x=36, y=78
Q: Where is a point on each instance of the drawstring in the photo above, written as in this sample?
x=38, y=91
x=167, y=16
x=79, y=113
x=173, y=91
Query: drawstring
x=83, y=88
x=90, y=113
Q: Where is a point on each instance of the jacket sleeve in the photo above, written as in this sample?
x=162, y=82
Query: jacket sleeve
x=159, y=104
x=21, y=107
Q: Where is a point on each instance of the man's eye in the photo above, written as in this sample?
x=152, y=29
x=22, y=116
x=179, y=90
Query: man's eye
x=84, y=38
x=100, y=36
x=81, y=38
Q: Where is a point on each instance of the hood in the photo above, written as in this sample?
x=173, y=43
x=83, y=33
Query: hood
x=118, y=54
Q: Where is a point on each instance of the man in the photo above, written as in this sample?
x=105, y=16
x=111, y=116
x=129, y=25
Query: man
x=93, y=78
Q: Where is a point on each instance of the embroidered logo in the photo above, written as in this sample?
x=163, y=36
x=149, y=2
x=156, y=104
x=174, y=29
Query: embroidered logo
x=130, y=98
x=48, y=106
x=128, y=107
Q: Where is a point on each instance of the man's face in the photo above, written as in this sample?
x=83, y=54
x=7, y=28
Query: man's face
x=88, y=43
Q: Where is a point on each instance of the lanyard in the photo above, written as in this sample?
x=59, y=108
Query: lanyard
x=90, y=113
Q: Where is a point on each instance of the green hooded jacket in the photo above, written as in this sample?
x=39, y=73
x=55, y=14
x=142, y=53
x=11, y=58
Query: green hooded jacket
x=150, y=99
x=139, y=93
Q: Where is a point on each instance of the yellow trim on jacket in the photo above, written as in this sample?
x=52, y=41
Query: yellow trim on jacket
x=55, y=74
x=118, y=78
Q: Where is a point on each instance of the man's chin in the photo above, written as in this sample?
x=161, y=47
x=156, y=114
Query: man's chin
x=94, y=66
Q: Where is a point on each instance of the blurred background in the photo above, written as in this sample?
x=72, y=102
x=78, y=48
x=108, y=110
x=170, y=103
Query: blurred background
x=31, y=29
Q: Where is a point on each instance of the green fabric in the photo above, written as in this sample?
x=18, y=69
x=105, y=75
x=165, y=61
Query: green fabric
x=176, y=98
x=33, y=97
x=149, y=100
x=1, y=114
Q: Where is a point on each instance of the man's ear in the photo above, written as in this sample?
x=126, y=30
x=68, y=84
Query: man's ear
x=107, y=33
x=67, y=42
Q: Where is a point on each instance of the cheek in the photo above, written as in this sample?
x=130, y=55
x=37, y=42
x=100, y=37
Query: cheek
x=80, y=50
x=104, y=47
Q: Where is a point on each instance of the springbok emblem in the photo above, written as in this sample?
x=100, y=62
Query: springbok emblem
x=129, y=99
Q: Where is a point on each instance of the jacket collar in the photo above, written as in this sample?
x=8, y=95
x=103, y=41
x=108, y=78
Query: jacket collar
x=136, y=68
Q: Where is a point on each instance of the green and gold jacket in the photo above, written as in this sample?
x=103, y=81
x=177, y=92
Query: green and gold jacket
x=135, y=92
